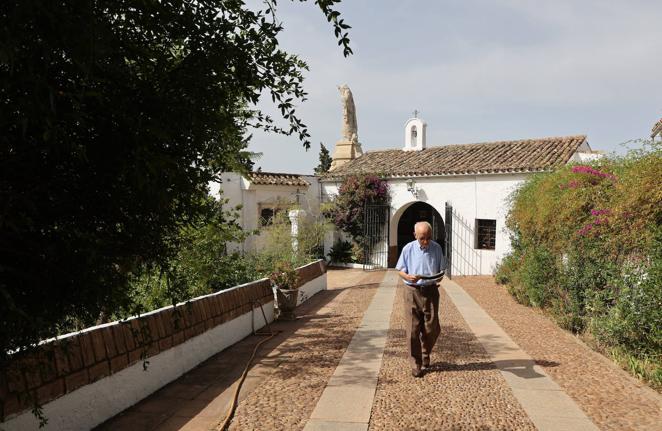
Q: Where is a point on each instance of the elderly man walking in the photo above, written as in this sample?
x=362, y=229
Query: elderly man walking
x=421, y=265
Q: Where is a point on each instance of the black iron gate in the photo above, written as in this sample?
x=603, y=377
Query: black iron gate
x=375, y=228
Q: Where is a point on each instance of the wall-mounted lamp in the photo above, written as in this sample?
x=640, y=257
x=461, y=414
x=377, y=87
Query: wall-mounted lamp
x=411, y=187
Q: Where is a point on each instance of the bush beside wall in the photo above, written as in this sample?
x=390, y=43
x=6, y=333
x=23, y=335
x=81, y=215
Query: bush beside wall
x=587, y=247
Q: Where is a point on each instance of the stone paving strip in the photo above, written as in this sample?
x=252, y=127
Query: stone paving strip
x=462, y=390
x=285, y=381
x=611, y=398
x=347, y=399
x=546, y=404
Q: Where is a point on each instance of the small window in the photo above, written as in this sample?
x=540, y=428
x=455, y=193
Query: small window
x=266, y=216
x=485, y=234
x=269, y=216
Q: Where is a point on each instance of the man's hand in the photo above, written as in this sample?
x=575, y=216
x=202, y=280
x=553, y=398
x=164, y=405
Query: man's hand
x=408, y=277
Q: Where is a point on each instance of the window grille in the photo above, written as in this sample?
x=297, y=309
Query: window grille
x=266, y=216
x=485, y=234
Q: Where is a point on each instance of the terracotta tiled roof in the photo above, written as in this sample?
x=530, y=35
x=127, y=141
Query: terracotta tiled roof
x=657, y=128
x=529, y=155
x=277, y=179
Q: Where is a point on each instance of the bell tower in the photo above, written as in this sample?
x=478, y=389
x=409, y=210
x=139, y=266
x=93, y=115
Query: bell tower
x=415, y=130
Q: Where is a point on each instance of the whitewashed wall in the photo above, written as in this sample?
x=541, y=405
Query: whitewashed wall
x=472, y=196
x=250, y=196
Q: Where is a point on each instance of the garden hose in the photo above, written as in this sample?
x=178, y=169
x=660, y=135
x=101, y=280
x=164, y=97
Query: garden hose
x=226, y=423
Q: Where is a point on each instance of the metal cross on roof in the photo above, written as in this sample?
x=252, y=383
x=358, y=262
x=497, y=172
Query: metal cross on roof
x=415, y=113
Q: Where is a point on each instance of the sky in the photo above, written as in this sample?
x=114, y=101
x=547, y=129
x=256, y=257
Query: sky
x=477, y=71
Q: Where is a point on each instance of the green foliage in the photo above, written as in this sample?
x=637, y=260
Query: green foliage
x=357, y=253
x=506, y=272
x=587, y=246
x=643, y=368
x=325, y=160
x=202, y=264
x=276, y=242
x=115, y=117
x=633, y=317
x=537, y=275
x=341, y=252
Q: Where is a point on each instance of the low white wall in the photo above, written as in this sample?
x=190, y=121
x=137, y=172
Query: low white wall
x=95, y=403
x=92, y=404
x=346, y=265
x=311, y=288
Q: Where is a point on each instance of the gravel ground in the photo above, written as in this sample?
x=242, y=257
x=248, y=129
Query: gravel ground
x=462, y=391
x=608, y=395
x=287, y=397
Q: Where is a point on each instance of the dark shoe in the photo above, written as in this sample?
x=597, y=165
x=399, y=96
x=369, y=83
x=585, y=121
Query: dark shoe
x=426, y=362
x=416, y=372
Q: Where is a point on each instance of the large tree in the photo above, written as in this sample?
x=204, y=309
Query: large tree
x=115, y=116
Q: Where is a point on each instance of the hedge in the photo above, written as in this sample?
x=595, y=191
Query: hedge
x=587, y=247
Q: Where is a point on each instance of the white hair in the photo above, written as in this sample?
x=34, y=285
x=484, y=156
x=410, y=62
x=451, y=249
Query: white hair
x=422, y=224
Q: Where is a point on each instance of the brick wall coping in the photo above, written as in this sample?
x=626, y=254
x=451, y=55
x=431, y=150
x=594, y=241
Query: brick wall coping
x=303, y=279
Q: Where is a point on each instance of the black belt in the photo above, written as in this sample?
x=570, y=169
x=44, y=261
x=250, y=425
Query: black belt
x=422, y=286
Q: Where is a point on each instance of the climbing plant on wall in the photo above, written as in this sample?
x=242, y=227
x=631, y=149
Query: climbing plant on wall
x=347, y=209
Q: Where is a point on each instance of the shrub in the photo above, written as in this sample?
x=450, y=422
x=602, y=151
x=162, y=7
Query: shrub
x=538, y=274
x=278, y=245
x=586, y=243
x=341, y=252
x=357, y=253
x=634, y=318
x=202, y=265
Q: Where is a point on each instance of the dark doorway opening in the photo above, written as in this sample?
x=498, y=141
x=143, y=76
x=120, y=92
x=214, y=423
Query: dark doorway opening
x=420, y=211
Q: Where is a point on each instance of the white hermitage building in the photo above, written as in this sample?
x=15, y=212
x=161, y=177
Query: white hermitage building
x=462, y=190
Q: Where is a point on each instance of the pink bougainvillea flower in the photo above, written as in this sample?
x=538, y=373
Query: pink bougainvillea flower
x=585, y=230
x=583, y=169
x=596, y=213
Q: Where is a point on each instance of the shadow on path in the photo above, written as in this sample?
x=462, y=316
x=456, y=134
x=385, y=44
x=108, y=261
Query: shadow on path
x=207, y=389
x=451, y=337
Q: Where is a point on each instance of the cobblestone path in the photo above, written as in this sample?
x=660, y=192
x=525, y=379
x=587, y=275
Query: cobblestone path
x=463, y=389
x=286, y=398
x=608, y=395
x=288, y=375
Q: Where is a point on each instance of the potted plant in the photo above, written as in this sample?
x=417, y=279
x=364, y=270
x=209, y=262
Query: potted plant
x=285, y=281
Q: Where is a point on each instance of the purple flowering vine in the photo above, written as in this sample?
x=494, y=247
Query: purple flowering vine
x=583, y=169
x=585, y=230
x=572, y=184
x=601, y=218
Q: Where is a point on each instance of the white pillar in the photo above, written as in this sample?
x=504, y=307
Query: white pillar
x=296, y=217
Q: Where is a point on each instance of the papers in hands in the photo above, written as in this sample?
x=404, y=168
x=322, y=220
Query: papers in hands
x=430, y=277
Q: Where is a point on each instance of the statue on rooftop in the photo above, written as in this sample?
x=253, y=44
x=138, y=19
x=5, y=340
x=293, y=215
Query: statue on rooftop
x=349, y=128
x=348, y=147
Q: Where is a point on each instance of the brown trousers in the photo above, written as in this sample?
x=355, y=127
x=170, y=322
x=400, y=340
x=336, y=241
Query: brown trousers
x=422, y=321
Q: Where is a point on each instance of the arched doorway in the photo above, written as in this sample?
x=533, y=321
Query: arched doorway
x=420, y=211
